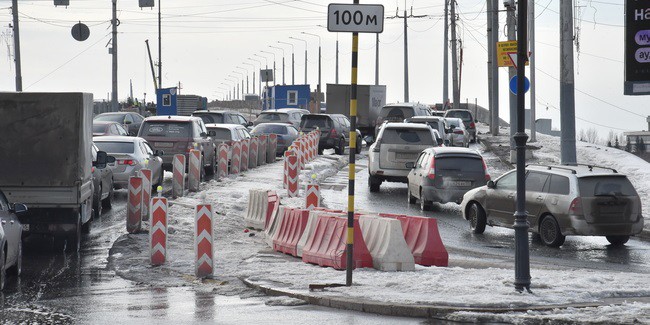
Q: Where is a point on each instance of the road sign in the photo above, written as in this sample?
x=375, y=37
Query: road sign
x=507, y=54
x=513, y=85
x=80, y=32
x=637, y=48
x=355, y=18
x=266, y=75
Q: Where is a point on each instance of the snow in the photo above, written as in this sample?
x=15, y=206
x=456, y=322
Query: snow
x=240, y=254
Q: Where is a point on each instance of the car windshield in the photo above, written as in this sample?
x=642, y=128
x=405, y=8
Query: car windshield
x=464, y=115
x=116, y=147
x=606, y=186
x=396, y=113
x=407, y=136
x=167, y=129
x=210, y=117
x=221, y=133
x=269, y=117
x=321, y=122
x=269, y=128
x=99, y=128
x=110, y=118
x=462, y=164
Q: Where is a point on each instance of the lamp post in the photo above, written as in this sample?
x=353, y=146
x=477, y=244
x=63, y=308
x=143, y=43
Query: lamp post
x=229, y=90
x=235, y=86
x=267, y=52
x=281, y=49
x=260, y=83
x=225, y=89
x=266, y=81
x=252, y=65
x=318, y=87
x=242, y=83
x=246, y=74
x=302, y=40
x=293, y=62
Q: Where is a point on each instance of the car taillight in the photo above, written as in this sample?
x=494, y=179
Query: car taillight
x=432, y=169
x=457, y=131
x=93, y=169
x=487, y=175
x=333, y=134
x=129, y=162
x=576, y=207
x=472, y=125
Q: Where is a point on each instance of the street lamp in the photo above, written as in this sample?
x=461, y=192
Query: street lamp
x=235, y=87
x=246, y=74
x=299, y=39
x=252, y=65
x=318, y=87
x=242, y=83
x=274, y=82
x=229, y=90
x=260, y=83
x=281, y=49
x=266, y=81
x=293, y=62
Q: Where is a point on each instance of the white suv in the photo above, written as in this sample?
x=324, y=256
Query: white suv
x=398, y=144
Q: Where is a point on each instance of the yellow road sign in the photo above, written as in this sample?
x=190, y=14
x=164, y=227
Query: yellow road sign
x=504, y=51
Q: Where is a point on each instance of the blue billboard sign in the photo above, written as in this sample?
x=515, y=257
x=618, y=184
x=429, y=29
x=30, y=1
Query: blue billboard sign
x=166, y=101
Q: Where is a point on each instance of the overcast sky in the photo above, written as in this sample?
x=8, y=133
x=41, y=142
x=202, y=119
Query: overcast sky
x=204, y=41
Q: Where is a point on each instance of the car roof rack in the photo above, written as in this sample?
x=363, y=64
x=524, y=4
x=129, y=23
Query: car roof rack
x=591, y=167
x=554, y=167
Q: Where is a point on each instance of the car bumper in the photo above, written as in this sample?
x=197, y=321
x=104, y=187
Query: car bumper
x=580, y=226
x=432, y=193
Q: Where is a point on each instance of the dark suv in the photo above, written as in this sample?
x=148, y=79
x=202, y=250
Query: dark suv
x=221, y=117
x=468, y=120
x=177, y=135
x=334, y=128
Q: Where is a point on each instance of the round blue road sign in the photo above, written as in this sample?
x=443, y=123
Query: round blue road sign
x=513, y=85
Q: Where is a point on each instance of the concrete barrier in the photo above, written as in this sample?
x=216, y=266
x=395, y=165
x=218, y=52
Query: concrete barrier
x=256, y=211
x=290, y=230
x=386, y=243
x=272, y=226
x=423, y=239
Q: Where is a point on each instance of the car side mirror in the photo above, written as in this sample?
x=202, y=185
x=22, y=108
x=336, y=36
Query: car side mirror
x=249, y=124
x=19, y=208
x=158, y=153
x=410, y=165
x=447, y=130
x=212, y=133
x=102, y=159
x=491, y=184
x=128, y=122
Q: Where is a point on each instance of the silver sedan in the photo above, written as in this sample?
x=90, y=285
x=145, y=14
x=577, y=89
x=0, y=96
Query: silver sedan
x=131, y=155
x=11, y=247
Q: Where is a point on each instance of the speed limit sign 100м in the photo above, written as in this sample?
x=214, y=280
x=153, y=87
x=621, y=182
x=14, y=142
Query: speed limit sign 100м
x=355, y=18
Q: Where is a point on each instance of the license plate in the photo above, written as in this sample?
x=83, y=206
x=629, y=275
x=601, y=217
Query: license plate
x=406, y=155
x=164, y=145
x=25, y=227
x=458, y=183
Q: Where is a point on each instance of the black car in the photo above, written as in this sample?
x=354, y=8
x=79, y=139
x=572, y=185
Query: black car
x=130, y=120
x=222, y=117
x=102, y=184
x=334, y=128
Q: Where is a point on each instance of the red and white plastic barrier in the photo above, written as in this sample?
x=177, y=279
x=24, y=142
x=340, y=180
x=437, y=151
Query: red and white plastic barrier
x=178, y=181
x=261, y=156
x=204, y=240
x=273, y=224
x=312, y=196
x=386, y=244
x=289, y=152
x=223, y=160
x=272, y=148
x=134, y=208
x=158, y=231
x=292, y=176
x=235, y=159
x=252, y=155
x=146, y=192
x=194, y=177
x=290, y=230
x=423, y=238
x=244, y=154
x=258, y=203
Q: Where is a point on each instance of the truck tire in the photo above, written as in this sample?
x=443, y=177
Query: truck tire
x=97, y=204
x=3, y=273
x=73, y=238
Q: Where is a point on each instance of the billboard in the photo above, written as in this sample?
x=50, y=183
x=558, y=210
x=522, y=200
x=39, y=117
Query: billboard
x=637, y=47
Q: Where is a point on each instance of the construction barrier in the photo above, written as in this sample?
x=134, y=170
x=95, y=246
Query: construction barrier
x=285, y=170
x=311, y=227
x=290, y=230
x=310, y=143
x=223, y=160
x=316, y=138
x=272, y=226
x=327, y=245
x=204, y=240
x=134, y=210
x=257, y=206
x=178, y=181
x=244, y=155
x=312, y=196
x=300, y=151
x=261, y=156
x=235, y=159
x=273, y=202
x=292, y=176
x=423, y=239
x=386, y=244
x=272, y=148
x=158, y=231
x=146, y=192
x=194, y=176
x=253, y=151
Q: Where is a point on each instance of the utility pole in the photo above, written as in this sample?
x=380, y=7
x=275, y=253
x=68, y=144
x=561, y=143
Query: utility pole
x=445, y=60
x=16, y=31
x=490, y=49
x=160, y=84
x=494, y=104
x=511, y=21
x=114, y=103
x=376, y=59
x=531, y=26
x=454, y=56
x=567, y=85
x=406, y=51
x=336, y=80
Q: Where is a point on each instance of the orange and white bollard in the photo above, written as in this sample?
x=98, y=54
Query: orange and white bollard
x=194, y=177
x=178, y=181
x=289, y=152
x=235, y=159
x=146, y=192
x=261, y=157
x=158, y=230
x=312, y=194
x=244, y=155
x=134, y=208
x=204, y=240
x=292, y=176
x=223, y=160
x=252, y=155
x=272, y=149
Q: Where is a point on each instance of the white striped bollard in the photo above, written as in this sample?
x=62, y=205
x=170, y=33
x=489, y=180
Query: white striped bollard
x=203, y=240
x=261, y=156
x=145, y=173
x=253, y=151
x=292, y=176
x=223, y=160
x=134, y=208
x=244, y=155
x=158, y=230
x=312, y=194
x=194, y=176
x=272, y=148
x=235, y=159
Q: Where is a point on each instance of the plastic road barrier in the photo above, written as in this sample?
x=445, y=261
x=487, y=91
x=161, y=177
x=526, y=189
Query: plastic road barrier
x=235, y=160
x=204, y=240
x=146, y=192
x=257, y=206
x=178, y=181
x=311, y=226
x=272, y=226
x=384, y=239
x=261, y=155
x=194, y=176
x=272, y=148
x=290, y=230
x=158, y=231
x=223, y=160
x=134, y=209
x=244, y=155
x=273, y=202
x=287, y=153
x=423, y=238
x=253, y=151
x=312, y=196
x=292, y=176
x=326, y=247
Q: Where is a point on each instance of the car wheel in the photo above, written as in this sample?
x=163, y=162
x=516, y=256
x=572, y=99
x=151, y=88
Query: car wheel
x=549, y=232
x=107, y=203
x=411, y=199
x=160, y=180
x=3, y=272
x=97, y=204
x=340, y=149
x=18, y=267
x=476, y=216
x=374, y=182
x=358, y=149
x=74, y=236
x=617, y=240
x=424, y=204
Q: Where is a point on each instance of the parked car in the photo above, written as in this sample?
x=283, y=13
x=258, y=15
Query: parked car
x=435, y=122
x=335, y=131
x=560, y=201
x=178, y=135
x=284, y=115
x=286, y=134
x=132, y=120
x=444, y=175
x=396, y=145
x=228, y=133
x=457, y=135
x=399, y=112
x=222, y=117
x=468, y=119
x=101, y=128
x=131, y=154
x=11, y=245
x=102, y=185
